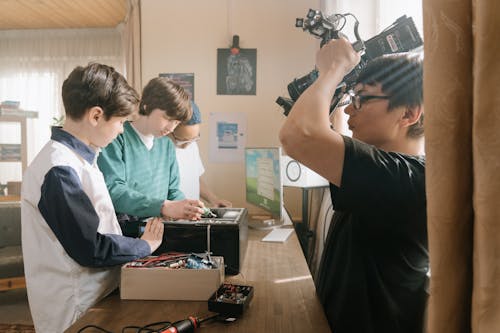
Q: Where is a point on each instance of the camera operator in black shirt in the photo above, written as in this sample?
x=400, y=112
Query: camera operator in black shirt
x=373, y=272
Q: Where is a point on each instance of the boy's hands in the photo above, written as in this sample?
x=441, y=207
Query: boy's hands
x=186, y=209
x=337, y=55
x=153, y=233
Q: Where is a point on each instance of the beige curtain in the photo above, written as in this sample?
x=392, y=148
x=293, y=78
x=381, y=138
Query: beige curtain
x=131, y=41
x=462, y=124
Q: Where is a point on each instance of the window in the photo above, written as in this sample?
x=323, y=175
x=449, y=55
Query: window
x=33, y=66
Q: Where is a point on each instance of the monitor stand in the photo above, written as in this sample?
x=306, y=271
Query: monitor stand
x=268, y=222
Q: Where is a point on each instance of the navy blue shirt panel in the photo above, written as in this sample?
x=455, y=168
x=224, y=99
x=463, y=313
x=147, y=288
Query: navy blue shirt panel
x=71, y=216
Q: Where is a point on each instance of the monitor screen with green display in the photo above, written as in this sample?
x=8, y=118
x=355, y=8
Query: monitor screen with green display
x=264, y=187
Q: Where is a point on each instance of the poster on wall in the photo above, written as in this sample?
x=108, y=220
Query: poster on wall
x=236, y=73
x=228, y=139
x=185, y=80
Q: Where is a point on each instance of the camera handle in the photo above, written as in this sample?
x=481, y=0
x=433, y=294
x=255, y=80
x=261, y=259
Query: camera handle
x=358, y=45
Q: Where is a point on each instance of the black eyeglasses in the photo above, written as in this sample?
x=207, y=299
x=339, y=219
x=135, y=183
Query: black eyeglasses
x=358, y=100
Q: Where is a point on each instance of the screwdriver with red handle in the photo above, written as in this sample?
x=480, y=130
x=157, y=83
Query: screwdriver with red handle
x=183, y=326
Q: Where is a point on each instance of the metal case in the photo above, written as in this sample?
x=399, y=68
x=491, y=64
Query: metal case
x=228, y=236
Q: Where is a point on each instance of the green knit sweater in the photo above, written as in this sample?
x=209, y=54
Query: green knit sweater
x=138, y=179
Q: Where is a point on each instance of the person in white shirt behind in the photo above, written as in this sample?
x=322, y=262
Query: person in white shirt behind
x=185, y=137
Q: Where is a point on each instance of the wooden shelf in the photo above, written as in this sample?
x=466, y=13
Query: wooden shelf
x=17, y=116
x=10, y=198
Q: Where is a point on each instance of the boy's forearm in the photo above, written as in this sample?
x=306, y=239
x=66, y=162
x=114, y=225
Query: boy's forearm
x=306, y=134
x=308, y=120
x=73, y=219
x=129, y=201
x=309, y=116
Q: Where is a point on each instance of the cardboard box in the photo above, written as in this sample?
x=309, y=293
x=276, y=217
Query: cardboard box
x=159, y=283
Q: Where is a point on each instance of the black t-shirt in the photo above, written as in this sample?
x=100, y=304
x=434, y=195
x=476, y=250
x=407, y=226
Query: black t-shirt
x=373, y=273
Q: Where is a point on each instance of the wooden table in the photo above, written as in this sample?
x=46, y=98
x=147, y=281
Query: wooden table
x=10, y=198
x=284, y=300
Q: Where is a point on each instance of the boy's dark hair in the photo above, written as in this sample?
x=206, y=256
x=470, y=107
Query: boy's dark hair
x=401, y=77
x=164, y=94
x=98, y=85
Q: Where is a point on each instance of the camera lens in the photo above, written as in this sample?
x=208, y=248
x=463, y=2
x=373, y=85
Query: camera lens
x=297, y=86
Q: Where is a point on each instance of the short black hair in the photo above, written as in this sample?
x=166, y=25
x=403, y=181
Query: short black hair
x=401, y=77
x=164, y=94
x=98, y=85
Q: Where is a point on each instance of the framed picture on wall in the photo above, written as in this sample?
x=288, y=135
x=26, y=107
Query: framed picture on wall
x=185, y=80
x=236, y=73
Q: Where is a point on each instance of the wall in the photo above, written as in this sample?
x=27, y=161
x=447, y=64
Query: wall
x=182, y=36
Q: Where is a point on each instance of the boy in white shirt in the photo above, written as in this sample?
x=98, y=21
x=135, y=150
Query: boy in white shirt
x=185, y=137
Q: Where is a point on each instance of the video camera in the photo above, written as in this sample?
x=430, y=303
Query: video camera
x=401, y=36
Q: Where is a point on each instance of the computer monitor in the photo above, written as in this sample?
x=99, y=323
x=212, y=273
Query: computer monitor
x=264, y=186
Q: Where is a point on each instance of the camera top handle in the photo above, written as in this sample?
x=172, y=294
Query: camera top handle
x=328, y=28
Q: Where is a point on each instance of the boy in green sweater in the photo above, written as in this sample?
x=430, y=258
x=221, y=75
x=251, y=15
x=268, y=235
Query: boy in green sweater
x=139, y=166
